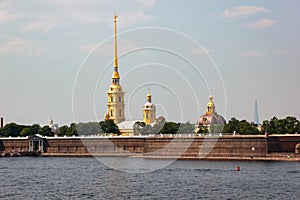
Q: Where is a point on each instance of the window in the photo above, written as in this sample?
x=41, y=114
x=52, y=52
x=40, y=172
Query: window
x=120, y=99
x=111, y=113
x=111, y=99
x=120, y=113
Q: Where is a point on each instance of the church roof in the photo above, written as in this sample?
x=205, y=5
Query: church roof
x=211, y=116
x=126, y=124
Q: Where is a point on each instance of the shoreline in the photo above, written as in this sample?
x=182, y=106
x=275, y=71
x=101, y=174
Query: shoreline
x=282, y=158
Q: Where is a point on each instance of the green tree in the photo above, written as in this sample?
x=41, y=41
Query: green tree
x=90, y=128
x=291, y=124
x=186, y=128
x=170, y=128
x=62, y=131
x=45, y=131
x=12, y=129
x=247, y=128
x=232, y=126
x=108, y=126
x=26, y=132
x=72, y=130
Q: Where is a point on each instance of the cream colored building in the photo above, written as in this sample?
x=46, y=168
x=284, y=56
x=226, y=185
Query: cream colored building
x=149, y=110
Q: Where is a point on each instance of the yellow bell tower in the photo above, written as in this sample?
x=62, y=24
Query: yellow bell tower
x=210, y=106
x=149, y=110
x=115, y=93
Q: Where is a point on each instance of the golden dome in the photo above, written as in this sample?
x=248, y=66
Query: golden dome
x=210, y=117
x=115, y=74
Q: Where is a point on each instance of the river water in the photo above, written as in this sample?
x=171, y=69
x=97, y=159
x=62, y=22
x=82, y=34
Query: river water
x=87, y=178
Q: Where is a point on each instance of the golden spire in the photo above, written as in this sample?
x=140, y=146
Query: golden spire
x=115, y=42
x=115, y=75
x=149, y=96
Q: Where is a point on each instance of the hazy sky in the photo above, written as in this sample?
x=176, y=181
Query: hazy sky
x=48, y=68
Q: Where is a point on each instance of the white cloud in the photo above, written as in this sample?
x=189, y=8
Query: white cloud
x=19, y=46
x=5, y=17
x=262, y=23
x=44, y=25
x=56, y=12
x=134, y=18
x=147, y=3
x=242, y=11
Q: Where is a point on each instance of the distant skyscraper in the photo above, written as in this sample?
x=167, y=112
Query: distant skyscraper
x=256, y=119
x=115, y=93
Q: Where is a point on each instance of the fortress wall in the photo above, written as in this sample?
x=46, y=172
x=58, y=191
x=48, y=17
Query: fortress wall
x=283, y=143
x=14, y=144
x=210, y=146
x=225, y=146
x=95, y=145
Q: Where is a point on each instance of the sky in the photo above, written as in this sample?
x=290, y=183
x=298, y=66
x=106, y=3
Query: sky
x=56, y=58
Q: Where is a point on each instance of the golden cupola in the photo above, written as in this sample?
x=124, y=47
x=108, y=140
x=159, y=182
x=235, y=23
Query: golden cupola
x=210, y=106
x=211, y=116
x=149, y=110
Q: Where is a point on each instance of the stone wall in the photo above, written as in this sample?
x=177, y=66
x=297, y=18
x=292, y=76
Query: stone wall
x=226, y=146
x=161, y=145
x=283, y=143
x=96, y=145
x=14, y=144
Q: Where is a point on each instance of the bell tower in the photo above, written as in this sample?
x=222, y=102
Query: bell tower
x=149, y=110
x=115, y=93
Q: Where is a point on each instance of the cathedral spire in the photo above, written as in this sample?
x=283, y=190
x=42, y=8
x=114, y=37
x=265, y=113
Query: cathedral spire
x=149, y=96
x=115, y=93
x=115, y=42
x=115, y=76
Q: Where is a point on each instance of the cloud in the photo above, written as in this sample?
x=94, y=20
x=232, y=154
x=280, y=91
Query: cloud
x=56, y=12
x=134, y=18
x=262, y=23
x=147, y=3
x=44, y=25
x=5, y=17
x=242, y=11
x=19, y=46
